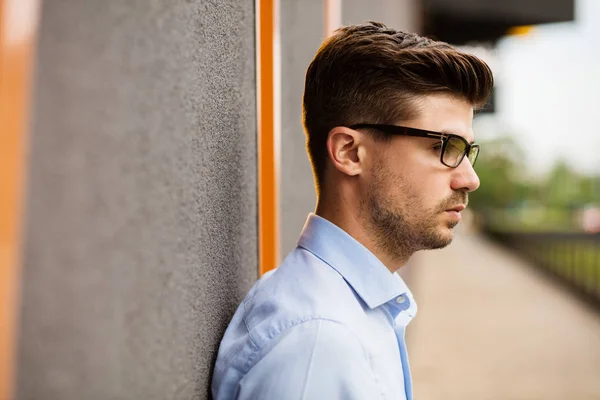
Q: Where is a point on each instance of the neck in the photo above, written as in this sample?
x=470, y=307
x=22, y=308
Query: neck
x=347, y=216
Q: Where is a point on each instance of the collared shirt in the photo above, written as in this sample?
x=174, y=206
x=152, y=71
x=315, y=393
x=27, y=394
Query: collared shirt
x=329, y=323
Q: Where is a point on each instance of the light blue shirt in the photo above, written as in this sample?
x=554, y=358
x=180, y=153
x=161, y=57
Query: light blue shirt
x=329, y=323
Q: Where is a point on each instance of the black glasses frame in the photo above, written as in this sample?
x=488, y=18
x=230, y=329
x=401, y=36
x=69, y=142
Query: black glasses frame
x=444, y=137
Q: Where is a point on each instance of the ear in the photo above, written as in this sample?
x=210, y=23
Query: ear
x=344, y=146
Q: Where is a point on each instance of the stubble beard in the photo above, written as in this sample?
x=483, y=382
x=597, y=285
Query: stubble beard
x=401, y=231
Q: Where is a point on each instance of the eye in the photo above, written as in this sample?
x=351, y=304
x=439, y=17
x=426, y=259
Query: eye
x=438, y=147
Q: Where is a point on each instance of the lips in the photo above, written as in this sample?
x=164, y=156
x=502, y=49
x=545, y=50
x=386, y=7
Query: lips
x=458, y=208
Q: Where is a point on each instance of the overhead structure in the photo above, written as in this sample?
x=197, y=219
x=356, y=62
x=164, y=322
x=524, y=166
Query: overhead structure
x=468, y=21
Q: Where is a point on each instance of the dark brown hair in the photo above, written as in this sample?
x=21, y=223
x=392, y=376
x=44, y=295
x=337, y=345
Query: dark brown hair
x=373, y=74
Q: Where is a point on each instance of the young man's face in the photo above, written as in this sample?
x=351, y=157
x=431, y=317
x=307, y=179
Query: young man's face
x=409, y=193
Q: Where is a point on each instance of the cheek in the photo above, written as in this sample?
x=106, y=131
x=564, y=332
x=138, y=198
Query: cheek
x=426, y=192
x=413, y=185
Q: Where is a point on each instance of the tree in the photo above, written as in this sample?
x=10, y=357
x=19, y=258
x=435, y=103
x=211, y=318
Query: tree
x=500, y=166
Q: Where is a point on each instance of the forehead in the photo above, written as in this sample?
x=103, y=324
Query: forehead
x=444, y=113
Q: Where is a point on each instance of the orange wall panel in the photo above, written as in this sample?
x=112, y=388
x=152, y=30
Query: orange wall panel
x=18, y=24
x=268, y=198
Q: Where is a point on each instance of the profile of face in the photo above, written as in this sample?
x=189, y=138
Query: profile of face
x=410, y=201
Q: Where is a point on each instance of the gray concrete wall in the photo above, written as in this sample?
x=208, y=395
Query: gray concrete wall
x=398, y=14
x=303, y=30
x=141, y=233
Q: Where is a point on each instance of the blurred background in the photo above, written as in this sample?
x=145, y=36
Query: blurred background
x=153, y=166
x=510, y=310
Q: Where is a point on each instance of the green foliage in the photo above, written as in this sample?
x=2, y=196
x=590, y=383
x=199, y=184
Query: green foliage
x=498, y=166
x=563, y=187
x=505, y=183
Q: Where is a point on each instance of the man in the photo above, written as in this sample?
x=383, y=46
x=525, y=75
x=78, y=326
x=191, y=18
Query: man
x=388, y=117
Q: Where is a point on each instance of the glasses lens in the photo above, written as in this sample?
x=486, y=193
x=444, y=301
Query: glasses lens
x=473, y=154
x=454, y=152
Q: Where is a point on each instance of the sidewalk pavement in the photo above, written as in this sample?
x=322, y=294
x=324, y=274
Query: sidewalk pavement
x=491, y=327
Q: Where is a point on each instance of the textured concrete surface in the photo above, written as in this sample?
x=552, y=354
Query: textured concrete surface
x=398, y=14
x=302, y=32
x=490, y=327
x=141, y=234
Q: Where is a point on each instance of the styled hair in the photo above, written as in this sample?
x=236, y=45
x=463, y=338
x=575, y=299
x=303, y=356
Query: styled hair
x=370, y=73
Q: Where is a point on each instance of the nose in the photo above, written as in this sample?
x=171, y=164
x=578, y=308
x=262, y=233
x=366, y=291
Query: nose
x=465, y=178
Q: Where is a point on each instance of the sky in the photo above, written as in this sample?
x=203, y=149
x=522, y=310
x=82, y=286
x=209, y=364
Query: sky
x=548, y=92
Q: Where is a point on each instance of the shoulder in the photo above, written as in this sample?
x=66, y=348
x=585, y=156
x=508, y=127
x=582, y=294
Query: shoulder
x=303, y=288
x=318, y=335
x=318, y=358
x=303, y=304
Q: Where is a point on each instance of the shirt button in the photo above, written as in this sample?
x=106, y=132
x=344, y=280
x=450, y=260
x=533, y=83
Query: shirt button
x=400, y=300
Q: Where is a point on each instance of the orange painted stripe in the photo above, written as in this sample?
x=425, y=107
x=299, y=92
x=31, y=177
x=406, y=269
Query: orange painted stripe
x=18, y=25
x=268, y=194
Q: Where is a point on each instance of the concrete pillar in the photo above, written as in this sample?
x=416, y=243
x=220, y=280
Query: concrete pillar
x=398, y=14
x=141, y=233
x=302, y=27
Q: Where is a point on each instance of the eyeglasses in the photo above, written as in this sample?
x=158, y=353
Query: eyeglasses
x=454, y=147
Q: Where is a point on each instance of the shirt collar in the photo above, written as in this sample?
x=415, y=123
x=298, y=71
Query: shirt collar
x=367, y=275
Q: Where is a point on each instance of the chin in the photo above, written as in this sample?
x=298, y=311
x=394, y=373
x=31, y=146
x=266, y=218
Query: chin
x=446, y=240
x=440, y=240
x=448, y=232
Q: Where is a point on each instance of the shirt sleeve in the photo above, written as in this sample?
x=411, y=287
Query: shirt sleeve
x=317, y=359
